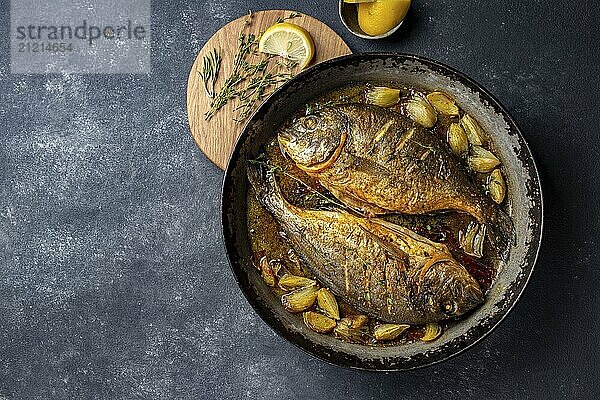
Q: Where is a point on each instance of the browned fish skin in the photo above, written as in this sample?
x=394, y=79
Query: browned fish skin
x=382, y=269
x=386, y=164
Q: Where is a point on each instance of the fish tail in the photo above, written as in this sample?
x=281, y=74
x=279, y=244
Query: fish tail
x=502, y=233
x=265, y=187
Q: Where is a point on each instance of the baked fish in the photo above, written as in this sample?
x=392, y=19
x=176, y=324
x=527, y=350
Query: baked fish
x=378, y=161
x=381, y=269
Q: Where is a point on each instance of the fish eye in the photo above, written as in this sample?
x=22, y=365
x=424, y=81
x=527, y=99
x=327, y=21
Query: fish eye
x=449, y=307
x=310, y=122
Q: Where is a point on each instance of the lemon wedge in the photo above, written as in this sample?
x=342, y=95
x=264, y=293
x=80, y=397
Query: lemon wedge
x=289, y=41
x=381, y=16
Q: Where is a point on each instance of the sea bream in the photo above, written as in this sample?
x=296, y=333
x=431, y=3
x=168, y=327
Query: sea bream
x=379, y=161
x=381, y=269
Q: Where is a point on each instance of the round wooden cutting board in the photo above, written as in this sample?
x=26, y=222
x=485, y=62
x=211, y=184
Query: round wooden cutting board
x=216, y=137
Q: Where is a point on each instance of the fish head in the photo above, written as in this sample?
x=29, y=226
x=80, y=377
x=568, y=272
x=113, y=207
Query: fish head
x=447, y=290
x=314, y=139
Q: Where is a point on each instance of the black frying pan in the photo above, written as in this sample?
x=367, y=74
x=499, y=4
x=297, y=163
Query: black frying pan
x=525, y=204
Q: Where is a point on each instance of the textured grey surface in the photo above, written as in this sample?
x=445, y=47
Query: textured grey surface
x=113, y=280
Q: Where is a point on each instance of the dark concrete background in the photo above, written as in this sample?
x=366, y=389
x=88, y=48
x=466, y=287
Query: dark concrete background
x=113, y=278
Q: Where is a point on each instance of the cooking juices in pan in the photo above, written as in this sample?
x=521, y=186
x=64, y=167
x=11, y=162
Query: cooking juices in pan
x=313, y=301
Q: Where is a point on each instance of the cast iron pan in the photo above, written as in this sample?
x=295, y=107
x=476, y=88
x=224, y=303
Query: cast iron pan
x=525, y=206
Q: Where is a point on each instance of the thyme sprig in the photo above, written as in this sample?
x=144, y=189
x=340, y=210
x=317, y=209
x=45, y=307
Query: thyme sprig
x=253, y=76
x=256, y=90
x=291, y=16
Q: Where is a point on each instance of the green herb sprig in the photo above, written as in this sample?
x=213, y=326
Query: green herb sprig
x=291, y=16
x=211, y=66
x=252, y=79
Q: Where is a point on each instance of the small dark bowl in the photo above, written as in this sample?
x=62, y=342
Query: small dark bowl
x=524, y=201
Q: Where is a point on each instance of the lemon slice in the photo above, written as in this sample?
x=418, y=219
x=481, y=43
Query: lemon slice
x=288, y=41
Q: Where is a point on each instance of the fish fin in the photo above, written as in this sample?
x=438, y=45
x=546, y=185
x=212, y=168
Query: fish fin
x=402, y=231
x=501, y=233
x=391, y=248
x=361, y=207
x=366, y=165
x=265, y=187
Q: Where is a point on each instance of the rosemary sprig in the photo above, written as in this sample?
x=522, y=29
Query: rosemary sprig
x=210, y=71
x=241, y=69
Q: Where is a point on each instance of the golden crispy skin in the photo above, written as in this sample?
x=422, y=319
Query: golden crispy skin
x=385, y=270
x=378, y=161
x=389, y=163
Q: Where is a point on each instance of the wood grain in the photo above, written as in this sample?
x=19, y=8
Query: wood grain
x=216, y=137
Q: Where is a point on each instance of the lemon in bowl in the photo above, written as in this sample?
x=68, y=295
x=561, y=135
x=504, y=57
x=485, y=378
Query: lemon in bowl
x=373, y=19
